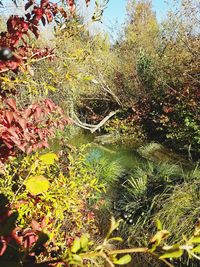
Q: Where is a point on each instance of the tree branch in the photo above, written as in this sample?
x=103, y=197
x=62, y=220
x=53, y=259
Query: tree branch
x=93, y=128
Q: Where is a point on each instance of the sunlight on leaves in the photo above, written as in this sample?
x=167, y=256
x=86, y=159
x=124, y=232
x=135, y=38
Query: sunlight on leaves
x=37, y=184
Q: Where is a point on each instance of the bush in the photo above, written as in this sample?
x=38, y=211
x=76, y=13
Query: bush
x=48, y=200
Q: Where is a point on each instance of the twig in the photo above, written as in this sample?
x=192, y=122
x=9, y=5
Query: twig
x=129, y=250
x=108, y=90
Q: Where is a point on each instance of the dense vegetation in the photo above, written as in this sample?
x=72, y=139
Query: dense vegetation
x=92, y=130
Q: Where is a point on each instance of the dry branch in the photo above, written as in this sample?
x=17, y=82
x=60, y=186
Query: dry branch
x=91, y=127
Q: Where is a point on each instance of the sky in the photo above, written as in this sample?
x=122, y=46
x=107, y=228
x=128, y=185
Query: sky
x=117, y=9
x=114, y=15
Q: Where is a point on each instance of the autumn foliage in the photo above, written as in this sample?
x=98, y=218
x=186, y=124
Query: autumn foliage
x=20, y=28
x=29, y=129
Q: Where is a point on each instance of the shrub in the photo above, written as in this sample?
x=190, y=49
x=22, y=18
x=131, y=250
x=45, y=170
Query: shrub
x=28, y=129
x=48, y=200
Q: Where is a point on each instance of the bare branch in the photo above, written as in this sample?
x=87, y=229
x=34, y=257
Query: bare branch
x=93, y=128
x=106, y=88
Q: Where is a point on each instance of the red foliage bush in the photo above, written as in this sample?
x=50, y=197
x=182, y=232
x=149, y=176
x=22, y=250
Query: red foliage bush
x=28, y=129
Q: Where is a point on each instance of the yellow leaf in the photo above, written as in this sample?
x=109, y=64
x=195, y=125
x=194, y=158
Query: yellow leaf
x=196, y=249
x=48, y=158
x=37, y=184
x=84, y=240
x=76, y=245
x=6, y=80
x=51, y=88
x=195, y=239
x=68, y=77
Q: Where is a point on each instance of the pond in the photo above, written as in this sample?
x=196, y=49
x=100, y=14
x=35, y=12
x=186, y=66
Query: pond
x=103, y=146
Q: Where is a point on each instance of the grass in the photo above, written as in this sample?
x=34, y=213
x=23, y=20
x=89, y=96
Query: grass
x=180, y=210
x=157, y=189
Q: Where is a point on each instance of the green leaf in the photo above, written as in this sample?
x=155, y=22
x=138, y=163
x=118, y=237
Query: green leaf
x=159, y=225
x=172, y=254
x=77, y=259
x=48, y=158
x=37, y=184
x=114, y=225
x=76, y=245
x=196, y=249
x=123, y=260
x=88, y=78
x=117, y=238
x=84, y=241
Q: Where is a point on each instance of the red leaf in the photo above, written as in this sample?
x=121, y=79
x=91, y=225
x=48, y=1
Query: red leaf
x=27, y=136
x=40, y=133
x=11, y=103
x=29, y=239
x=16, y=116
x=16, y=141
x=38, y=13
x=71, y=4
x=28, y=16
x=13, y=132
x=44, y=3
x=8, y=142
x=34, y=30
x=38, y=113
x=9, y=116
x=63, y=12
x=50, y=104
x=44, y=222
x=27, y=112
x=45, y=144
x=3, y=246
x=13, y=64
x=22, y=123
x=22, y=147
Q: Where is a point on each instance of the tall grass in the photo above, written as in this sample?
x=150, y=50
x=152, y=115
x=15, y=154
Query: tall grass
x=180, y=210
x=139, y=196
